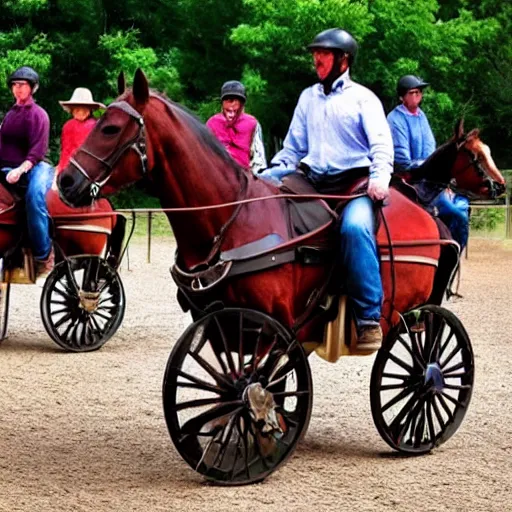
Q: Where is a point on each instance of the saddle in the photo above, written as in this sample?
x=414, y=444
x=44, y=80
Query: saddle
x=310, y=237
x=72, y=231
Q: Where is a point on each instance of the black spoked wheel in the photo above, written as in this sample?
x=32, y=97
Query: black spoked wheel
x=5, y=291
x=237, y=395
x=83, y=303
x=422, y=380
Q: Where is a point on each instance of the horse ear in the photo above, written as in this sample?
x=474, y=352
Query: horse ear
x=459, y=129
x=140, y=87
x=121, y=83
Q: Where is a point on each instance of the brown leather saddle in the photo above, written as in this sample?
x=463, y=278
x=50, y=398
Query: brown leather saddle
x=311, y=237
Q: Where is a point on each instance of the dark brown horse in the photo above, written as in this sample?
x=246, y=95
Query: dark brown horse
x=144, y=133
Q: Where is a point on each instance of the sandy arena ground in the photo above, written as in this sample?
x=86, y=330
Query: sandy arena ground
x=85, y=432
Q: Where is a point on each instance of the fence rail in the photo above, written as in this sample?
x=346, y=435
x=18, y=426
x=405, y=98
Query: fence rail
x=475, y=205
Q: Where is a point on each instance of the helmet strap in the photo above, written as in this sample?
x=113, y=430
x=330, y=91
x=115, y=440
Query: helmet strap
x=334, y=74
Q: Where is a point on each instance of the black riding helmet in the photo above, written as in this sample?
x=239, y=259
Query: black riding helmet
x=408, y=82
x=340, y=43
x=335, y=39
x=25, y=73
x=234, y=89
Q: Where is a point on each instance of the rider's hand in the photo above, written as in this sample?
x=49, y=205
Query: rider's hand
x=14, y=175
x=378, y=191
x=269, y=177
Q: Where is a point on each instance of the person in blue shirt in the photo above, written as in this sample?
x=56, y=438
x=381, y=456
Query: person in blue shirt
x=338, y=126
x=413, y=143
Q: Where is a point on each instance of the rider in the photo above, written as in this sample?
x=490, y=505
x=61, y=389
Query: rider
x=74, y=132
x=24, y=136
x=239, y=133
x=414, y=142
x=339, y=126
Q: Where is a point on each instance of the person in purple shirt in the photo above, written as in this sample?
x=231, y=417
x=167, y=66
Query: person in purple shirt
x=24, y=137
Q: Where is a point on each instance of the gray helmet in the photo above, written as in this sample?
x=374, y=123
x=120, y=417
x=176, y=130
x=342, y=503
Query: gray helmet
x=335, y=39
x=25, y=73
x=408, y=82
x=233, y=88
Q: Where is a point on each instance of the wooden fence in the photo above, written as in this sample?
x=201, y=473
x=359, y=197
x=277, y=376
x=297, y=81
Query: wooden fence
x=501, y=203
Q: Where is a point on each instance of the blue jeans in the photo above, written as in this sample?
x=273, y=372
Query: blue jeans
x=361, y=261
x=35, y=184
x=454, y=212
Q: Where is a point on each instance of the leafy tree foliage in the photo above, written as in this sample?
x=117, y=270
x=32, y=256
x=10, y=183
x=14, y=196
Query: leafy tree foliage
x=188, y=48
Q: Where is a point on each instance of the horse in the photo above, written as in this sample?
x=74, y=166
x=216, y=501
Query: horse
x=258, y=285
x=465, y=163
x=150, y=135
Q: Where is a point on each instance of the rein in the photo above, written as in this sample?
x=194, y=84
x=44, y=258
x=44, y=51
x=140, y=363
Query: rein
x=240, y=202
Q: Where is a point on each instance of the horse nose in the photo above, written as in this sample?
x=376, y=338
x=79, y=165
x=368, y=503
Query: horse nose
x=65, y=182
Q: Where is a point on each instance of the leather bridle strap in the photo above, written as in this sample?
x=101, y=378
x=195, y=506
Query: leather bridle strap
x=137, y=143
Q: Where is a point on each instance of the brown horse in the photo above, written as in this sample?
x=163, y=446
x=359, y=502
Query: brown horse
x=223, y=219
x=190, y=169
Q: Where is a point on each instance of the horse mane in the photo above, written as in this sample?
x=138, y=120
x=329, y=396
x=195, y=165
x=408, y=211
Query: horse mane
x=197, y=128
x=442, y=159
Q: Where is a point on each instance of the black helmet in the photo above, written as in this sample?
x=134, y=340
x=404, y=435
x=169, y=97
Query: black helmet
x=25, y=73
x=408, y=82
x=233, y=88
x=335, y=39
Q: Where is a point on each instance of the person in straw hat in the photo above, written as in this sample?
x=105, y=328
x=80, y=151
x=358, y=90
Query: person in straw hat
x=74, y=132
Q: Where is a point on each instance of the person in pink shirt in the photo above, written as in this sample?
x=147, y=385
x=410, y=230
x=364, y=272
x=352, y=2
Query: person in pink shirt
x=239, y=133
x=81, y=106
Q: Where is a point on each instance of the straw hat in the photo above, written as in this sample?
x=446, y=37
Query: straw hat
x=81, y=97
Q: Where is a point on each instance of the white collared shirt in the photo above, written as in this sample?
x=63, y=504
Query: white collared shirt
x=337, y=132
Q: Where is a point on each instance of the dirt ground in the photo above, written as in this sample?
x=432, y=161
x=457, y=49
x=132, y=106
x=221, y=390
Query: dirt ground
x=85, y=432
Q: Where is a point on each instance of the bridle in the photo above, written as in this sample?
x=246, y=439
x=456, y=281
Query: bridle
x=137, y=143
x=495, y=188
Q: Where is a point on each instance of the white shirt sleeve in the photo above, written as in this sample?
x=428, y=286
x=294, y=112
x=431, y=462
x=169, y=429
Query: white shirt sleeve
x=258, y=158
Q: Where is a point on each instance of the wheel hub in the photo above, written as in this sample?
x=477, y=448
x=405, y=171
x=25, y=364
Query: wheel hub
x=434, y=379
x=262, y=408
x=89, y=300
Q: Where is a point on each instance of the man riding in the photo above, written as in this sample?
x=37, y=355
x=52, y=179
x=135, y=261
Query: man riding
x=24, y=136
x=340, y=126
x=239, y=133
x=413, y=143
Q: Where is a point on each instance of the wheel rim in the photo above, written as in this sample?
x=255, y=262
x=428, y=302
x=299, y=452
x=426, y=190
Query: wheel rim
x=422, y=380
x=214, y=367
x=83, y=303
x=5, y=289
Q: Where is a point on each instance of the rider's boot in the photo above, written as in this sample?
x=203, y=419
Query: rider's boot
x=369, y=338
x=44, y=267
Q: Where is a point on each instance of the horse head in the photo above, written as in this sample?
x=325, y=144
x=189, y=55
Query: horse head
x=466, y=163
x=116, y=153
x=474, y=170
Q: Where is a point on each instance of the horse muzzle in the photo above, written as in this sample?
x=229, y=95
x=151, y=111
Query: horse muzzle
x=498, y=189
x=74, y=188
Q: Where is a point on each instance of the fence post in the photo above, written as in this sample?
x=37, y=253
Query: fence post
x=150, y=218
x=508, y=215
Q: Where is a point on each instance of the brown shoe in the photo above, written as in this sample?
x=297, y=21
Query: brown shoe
x=370, y=338
x=44, y=267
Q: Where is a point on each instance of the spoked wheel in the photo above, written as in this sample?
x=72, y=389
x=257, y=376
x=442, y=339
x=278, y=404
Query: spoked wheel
x=422, y=380
x=237, y=395
x=83, y=303
x=5, y=291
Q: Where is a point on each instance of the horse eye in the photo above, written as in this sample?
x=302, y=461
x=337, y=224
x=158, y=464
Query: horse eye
x=110, y=130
